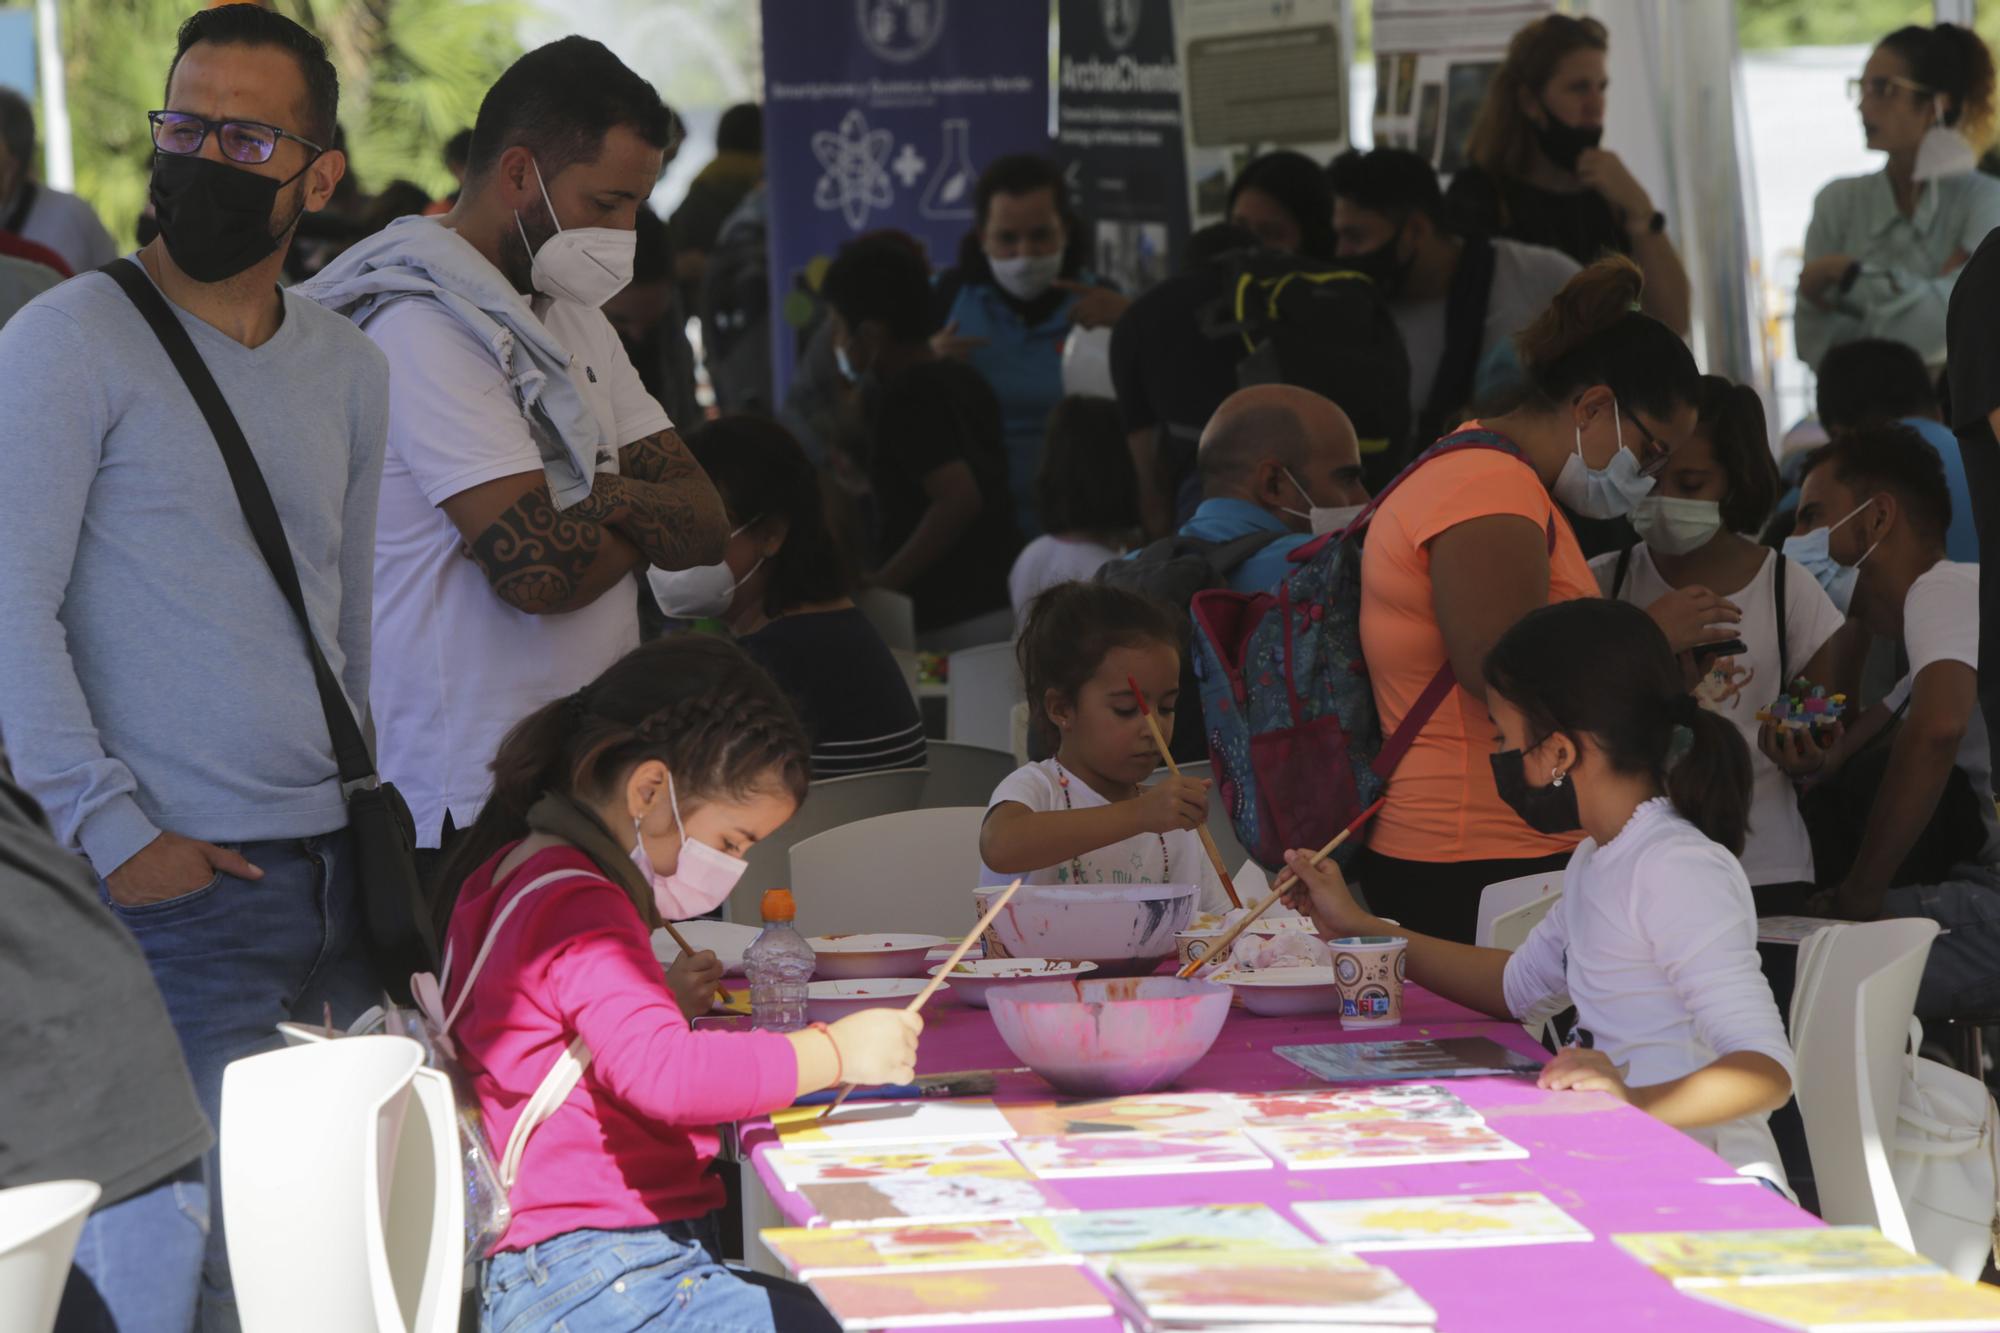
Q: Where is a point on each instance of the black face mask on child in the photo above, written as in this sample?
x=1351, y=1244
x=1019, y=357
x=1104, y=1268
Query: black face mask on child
x=1550, y=809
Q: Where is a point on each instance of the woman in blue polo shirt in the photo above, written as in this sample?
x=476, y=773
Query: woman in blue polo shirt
x=1020, y=284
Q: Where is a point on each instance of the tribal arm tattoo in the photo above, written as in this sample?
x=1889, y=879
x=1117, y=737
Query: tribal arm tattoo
x=670, y=510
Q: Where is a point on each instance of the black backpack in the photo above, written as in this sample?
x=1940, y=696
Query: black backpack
x=1322, y=327
x=1171, y=571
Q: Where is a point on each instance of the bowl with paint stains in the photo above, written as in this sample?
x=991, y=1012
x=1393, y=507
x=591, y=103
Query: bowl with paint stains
x=1111, y=1036
x=1126, y=929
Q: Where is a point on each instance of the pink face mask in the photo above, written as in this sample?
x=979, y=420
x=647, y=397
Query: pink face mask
x=701, y=880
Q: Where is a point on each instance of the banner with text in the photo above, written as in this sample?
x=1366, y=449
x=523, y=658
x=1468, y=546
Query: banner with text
x=880, y=114
x=1118, y=133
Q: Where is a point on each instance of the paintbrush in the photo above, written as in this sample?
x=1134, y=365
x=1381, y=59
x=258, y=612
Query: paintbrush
x=1285, y=881
x=1207, y=841
x=938, y=976
x=721, y=995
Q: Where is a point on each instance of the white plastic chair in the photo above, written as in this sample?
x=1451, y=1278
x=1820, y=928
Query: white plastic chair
x=963, y=774
x=1510, y=910
x=1851, y=1008
x=984, y=685
x=39, y=1225
x=310, y=1139
x=893, y=615
x=828, y=804
x=913, y=871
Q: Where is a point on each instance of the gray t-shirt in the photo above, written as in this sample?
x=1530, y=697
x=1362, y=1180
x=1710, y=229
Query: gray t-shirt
x=95, y=1088
x=152, y=676
x=1525, y=279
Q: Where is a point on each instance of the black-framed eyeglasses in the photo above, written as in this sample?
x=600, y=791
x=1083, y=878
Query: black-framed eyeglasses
x=1880, y=86
x=1653, y=458
x=182, y=133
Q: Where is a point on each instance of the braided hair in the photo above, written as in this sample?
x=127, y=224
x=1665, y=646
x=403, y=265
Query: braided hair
x=696, y=703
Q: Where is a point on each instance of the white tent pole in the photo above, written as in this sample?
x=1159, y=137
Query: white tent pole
x=58, y=163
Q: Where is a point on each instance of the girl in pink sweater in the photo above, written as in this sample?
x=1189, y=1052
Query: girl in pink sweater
x=631, y=801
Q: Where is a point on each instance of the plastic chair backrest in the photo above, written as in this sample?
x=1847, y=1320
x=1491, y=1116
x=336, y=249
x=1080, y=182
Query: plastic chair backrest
x=893, y=615
x=984, y=684
x=310, y=1135
x=39, y=1225
x=963, y=774
x=1510, y=895
x=913, y=871
x=424, y=1228
x=828, y=804
x=1510, y=930
x=1851, y=1008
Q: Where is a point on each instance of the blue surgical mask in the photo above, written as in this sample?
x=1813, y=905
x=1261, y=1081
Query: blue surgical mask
x=843, y=365
x=1611, y=491
x=1812, y=550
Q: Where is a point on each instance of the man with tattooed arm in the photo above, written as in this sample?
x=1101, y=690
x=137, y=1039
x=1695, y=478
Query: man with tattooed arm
x=529, y=476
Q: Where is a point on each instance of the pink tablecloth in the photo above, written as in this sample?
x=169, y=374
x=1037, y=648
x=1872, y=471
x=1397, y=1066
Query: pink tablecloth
x=1612, y=1168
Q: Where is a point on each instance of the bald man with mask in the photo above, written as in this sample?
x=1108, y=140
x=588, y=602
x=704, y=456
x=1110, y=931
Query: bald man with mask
x=1281, y=460
x=1277, y=463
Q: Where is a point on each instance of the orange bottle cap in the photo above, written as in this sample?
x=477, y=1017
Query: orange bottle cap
x=777, y=905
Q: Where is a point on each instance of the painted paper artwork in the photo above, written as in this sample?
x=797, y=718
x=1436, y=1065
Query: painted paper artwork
x=1003, y=1242
x=1395, y=1101
x=1782, y=1254
x=1363, y=1143
x=919, y=1198
x=892, y=1124
x=961, y=1296
x=1937, y=1304
x=1159, y=1112
x=1323, y=1289
x=1248, y=1229
x=1138, y=1154
x=1390, y=1061
x=1440, y=1222
x=820, y=1166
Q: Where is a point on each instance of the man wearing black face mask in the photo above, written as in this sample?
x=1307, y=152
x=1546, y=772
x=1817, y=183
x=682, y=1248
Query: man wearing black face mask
x=530, y=480
x=155, y=690
x=1458, y=302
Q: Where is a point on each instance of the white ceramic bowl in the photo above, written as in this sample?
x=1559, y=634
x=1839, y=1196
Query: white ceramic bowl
x=725, y=939
x=828, y=1001
x=1278, y=992
x=1126, y=929
x=974, y=978
x=852, y=957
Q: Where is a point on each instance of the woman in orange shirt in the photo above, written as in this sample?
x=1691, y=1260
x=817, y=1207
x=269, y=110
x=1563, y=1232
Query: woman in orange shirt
x=1471, y=542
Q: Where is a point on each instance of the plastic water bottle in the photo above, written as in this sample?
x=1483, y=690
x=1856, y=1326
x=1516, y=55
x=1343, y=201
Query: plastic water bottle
x=779, y=963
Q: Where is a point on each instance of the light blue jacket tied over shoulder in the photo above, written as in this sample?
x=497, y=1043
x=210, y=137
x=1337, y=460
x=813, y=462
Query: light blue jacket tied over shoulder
x=418, y=258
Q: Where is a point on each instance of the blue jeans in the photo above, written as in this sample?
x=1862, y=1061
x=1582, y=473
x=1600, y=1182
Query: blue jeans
x=138, y=1262
x=1962, y=975
x=664, y=1278
x=237, y=957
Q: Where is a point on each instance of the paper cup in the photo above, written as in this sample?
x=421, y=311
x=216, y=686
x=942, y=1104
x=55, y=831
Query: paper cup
x=1369, y=971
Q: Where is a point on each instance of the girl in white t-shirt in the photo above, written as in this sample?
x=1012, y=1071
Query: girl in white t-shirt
x=1087, y=497
x=1655, y=939
x=1696, y=576
x=1082, y=817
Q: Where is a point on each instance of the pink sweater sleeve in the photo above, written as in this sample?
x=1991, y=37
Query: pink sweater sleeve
x=605, y=984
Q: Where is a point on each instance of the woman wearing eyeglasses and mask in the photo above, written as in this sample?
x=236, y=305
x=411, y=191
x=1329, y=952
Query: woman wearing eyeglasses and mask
x=1472, y=541
x=783, y=587
x=1883, y=251
x=1538, y=175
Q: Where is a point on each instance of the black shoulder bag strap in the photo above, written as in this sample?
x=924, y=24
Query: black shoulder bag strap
x=1780, y=576
x=1618, y=574
x=389, y=889
x=1464, y=337
x=22, y=207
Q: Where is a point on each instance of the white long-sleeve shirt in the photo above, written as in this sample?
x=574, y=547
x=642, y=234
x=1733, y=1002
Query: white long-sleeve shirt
x=1655, y=943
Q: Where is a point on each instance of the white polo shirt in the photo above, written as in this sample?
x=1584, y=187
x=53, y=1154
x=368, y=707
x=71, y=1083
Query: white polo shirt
x=454, y=666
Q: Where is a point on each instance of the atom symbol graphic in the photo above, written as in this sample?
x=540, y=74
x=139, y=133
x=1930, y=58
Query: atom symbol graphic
x=855, y=161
